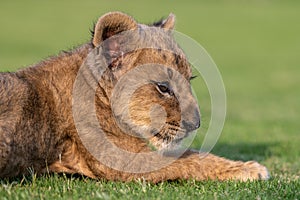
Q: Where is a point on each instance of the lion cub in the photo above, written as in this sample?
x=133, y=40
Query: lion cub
x=135, y=81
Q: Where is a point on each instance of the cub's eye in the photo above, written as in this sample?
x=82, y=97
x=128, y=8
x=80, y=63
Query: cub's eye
x=164, y=88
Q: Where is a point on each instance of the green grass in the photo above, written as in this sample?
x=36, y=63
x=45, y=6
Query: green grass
x=62, y=187
x=256, y=46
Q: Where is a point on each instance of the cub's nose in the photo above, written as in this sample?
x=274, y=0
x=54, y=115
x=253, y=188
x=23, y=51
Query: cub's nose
x=193, y=124
x=188, y=126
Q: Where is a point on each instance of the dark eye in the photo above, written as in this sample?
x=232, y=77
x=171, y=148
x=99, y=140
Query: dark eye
x=164, y=88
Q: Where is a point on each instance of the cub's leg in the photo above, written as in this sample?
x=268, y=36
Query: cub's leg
x=207, y=166
x=193, y=165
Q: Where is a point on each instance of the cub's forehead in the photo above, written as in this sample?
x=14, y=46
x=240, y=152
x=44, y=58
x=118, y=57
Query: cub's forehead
x=158, y=38
x=145, y=44
x=163, y=40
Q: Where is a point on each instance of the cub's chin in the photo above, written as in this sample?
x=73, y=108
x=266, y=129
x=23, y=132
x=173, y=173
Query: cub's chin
x=172, y=144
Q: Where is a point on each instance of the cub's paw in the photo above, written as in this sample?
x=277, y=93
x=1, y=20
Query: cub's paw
x=252, y=170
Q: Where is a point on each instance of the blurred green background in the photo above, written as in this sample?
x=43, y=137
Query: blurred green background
x=255, y=44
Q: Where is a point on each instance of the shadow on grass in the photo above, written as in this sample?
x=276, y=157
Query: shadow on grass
x=245, y=151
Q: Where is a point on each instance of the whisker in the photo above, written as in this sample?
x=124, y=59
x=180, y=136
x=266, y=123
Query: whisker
x=170, y=134
x=158, y=134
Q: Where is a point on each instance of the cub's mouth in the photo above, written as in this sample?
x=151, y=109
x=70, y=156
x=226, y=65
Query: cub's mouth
x=171, y=135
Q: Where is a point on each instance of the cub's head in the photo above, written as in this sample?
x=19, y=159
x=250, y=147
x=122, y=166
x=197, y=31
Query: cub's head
x=145, y=80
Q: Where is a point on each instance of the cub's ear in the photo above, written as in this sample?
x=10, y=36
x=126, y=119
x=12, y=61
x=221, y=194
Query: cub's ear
x=168, y=23
x=110, y=24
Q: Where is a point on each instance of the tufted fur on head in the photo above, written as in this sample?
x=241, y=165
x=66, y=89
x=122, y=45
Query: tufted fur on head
x=168, y=23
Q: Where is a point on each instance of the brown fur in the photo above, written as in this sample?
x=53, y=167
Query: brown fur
x=37, y=128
